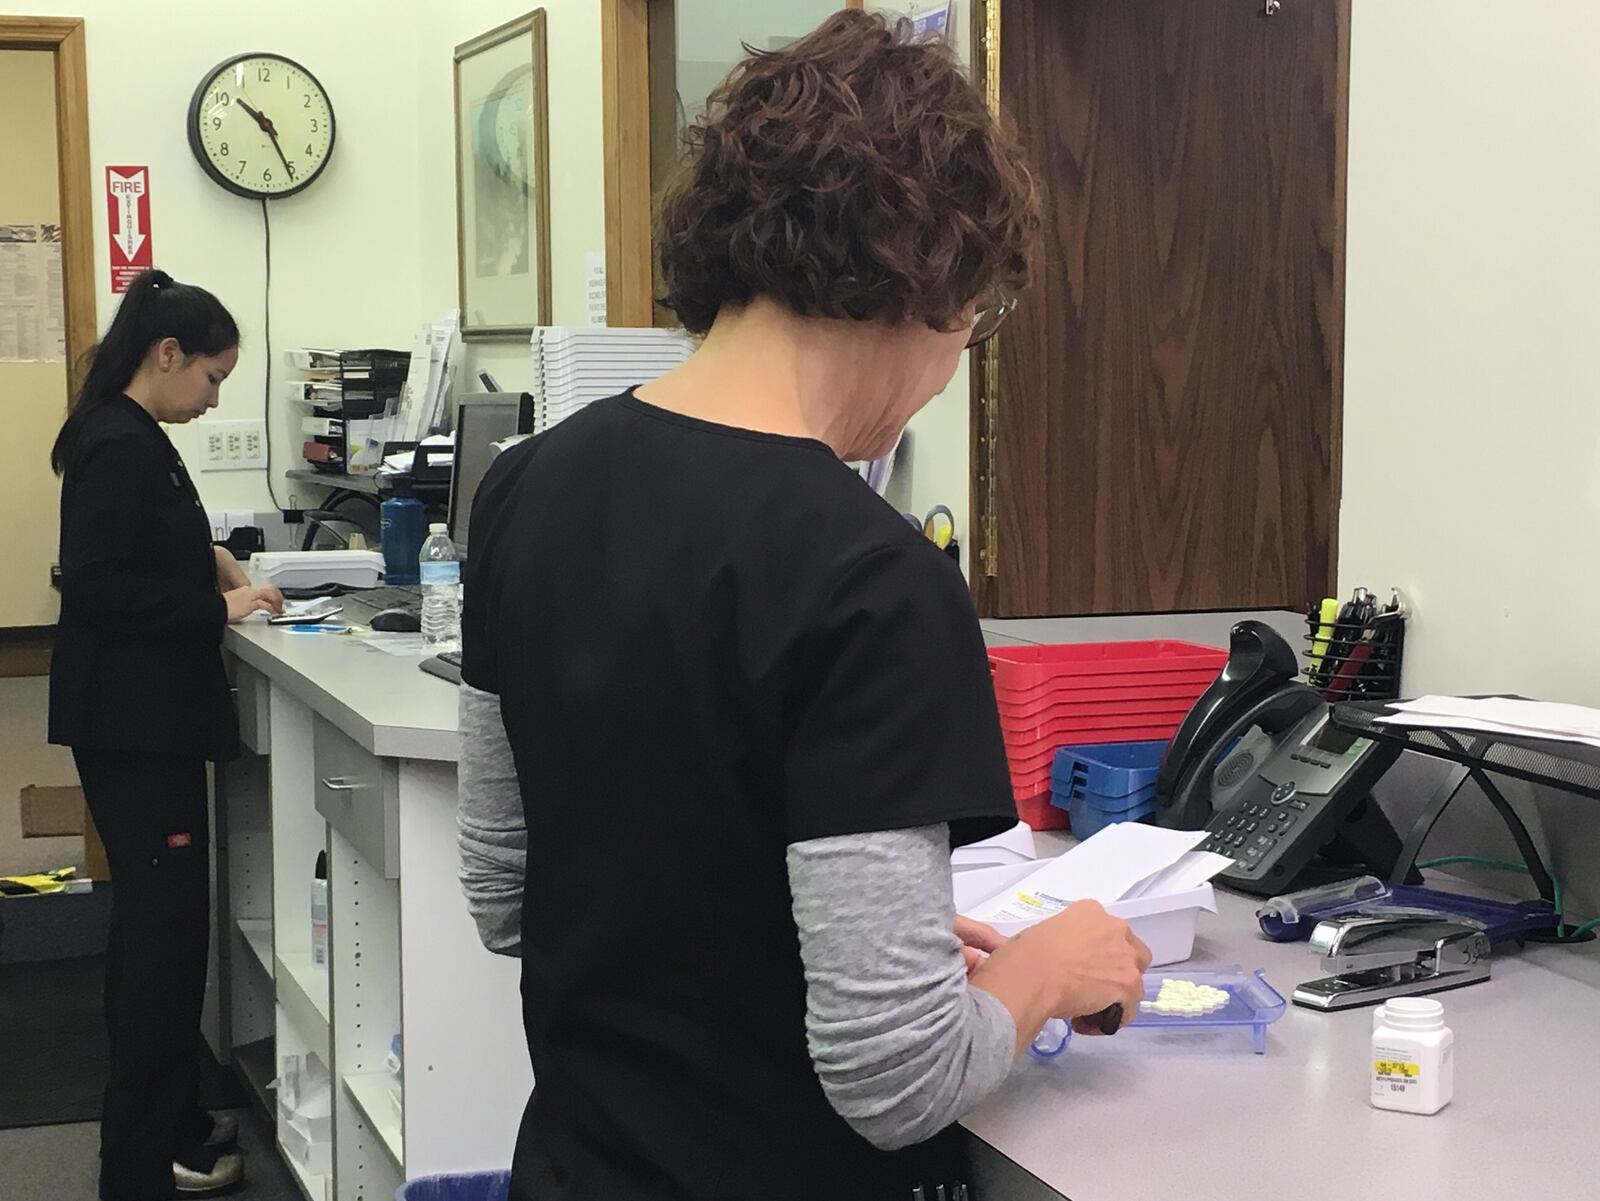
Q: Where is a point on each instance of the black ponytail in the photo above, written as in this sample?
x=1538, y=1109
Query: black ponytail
x=154, y=308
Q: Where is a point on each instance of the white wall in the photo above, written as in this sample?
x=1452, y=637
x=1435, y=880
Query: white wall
x=368, y=252
x=1472, y=412
x=344, y=251
x=577, y=166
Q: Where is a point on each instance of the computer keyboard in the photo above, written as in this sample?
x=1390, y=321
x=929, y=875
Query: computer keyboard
x=392, y=596
x=447, y=666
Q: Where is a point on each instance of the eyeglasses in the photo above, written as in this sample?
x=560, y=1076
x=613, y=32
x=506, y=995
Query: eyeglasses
x=986, y=322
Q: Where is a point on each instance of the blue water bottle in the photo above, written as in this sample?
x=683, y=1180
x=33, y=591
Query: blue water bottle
x=403, y=524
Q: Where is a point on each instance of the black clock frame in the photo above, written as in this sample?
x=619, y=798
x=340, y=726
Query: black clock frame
x=210, y=168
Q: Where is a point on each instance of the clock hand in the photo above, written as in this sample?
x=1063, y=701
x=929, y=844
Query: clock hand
x=265, y=122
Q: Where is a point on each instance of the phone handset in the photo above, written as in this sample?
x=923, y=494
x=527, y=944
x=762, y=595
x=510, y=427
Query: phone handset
x=1259, y=663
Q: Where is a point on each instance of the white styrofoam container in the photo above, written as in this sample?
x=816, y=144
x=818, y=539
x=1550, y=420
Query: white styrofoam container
x=311, y=568
x=315, y=1156
x=1165, y=924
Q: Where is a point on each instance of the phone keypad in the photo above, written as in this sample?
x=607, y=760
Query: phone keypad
x=1249, y=833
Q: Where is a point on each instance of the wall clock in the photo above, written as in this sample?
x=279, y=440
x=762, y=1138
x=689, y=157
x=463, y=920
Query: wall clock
x=261, y=126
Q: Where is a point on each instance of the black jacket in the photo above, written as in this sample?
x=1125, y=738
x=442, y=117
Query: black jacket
x=138, y=660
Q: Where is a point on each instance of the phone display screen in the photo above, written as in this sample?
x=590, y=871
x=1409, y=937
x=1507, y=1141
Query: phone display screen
x=1331, y=740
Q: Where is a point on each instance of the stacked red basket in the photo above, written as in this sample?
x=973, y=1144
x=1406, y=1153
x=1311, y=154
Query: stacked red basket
x=1090, y=692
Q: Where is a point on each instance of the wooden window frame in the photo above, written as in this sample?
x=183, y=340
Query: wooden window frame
x=63, y=37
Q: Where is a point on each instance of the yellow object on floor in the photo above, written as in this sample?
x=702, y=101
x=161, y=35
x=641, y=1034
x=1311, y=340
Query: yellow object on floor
x=39, y=884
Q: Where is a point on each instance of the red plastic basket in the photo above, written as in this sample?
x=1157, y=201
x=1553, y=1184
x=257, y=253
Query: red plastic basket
x=1040, y=814
x=1090, y=692
x=1096, y=664
x=1032, y=739
x=1180, y=685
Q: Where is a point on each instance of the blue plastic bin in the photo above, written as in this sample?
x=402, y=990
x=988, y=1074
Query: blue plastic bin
x=1111, y=770
x=1089, y=819
x=1106, y=804
x=471, y=1186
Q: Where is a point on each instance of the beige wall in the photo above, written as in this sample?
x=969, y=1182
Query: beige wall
x=1472, y=404
x=32, y=395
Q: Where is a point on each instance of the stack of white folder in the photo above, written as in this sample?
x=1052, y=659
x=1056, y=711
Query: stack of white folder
x=576, y=365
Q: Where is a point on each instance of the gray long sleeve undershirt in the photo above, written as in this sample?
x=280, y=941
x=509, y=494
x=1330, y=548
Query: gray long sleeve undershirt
x=902, y=1045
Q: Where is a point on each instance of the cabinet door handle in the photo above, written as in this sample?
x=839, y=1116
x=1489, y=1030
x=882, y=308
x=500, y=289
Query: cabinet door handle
x=338, y=784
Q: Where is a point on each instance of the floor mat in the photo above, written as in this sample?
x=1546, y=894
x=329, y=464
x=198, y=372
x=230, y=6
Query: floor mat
x=53, y=1046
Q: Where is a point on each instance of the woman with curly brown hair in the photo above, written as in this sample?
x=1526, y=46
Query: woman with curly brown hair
x=724, y=713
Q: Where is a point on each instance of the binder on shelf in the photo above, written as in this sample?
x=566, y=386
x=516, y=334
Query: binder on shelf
x=353, y=394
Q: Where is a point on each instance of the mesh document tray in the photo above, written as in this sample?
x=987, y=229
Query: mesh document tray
x=1569, y=766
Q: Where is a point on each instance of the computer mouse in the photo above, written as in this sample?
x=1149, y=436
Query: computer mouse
x=396, y=621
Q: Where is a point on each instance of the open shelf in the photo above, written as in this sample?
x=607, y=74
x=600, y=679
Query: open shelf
x=257, y=1064
x=303, y=996
x=257, y=934
x=370, y=1092
x=310, y=980
x=314, y=1187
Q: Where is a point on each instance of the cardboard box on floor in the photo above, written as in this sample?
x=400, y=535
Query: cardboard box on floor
x=51, y=811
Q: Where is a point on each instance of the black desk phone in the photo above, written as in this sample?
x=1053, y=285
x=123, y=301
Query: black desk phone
x=1259, y=766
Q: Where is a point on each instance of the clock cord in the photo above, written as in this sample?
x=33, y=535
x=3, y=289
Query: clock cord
x=266, y=306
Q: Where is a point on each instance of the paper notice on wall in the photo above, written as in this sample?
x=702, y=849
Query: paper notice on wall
x=594, y=287
x=32, y=304
x=927, y=18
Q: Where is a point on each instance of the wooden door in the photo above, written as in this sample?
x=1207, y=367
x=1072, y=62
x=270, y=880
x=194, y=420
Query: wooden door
x=47, y=318
x=1166, y=400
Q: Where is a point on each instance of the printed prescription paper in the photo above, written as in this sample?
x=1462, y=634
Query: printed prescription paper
x=1104, y=868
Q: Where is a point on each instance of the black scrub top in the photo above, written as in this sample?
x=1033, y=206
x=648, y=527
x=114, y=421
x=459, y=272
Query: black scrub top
x=708, y=644
x=137, y=662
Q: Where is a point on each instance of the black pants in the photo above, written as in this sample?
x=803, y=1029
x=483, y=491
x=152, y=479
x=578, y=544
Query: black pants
x=151, y=814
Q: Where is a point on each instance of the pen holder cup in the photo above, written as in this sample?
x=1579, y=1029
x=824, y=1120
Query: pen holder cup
x=1355, y=660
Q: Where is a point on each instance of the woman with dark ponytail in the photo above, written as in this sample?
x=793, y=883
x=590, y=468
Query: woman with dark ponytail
x=137, y=690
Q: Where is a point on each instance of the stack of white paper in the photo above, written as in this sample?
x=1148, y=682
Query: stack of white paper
x=576, y=365
x=1501, y=715
x=1013, y=846
x=1125, y=862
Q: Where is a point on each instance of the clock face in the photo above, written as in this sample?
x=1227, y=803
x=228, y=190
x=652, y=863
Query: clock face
x=505, y=128
x=261, y=126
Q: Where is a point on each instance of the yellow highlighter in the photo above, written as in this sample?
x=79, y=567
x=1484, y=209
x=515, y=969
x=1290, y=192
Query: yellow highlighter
x=1326, y=616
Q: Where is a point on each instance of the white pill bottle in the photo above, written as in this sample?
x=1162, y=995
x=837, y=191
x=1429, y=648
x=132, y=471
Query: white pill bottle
x=1413, y=1056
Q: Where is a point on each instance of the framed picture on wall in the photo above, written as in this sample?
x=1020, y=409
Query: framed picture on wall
x=503, y=180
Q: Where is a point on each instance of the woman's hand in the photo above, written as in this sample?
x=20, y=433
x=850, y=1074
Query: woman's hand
x=1071, y=965
x=978, y=941
x=247, y=600
x=229, y=574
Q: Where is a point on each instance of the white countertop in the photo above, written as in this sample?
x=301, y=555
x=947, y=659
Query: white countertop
x=1143, y=1116
x=385, y=702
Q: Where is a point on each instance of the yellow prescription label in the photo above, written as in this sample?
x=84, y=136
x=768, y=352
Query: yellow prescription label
x=1393, y=1067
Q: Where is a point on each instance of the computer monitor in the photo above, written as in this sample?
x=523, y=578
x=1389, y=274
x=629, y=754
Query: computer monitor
x=482, y=419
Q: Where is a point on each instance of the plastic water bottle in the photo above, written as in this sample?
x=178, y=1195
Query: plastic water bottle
x=440, y=570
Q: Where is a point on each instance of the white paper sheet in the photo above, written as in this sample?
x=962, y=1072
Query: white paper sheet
x=1013, y=846
x=396, y=644
x=32, y=306
x=1102, y=868
x=1192, y=869
x=1501, y=715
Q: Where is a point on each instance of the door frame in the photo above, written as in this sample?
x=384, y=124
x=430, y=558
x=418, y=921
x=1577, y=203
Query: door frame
x=628, y=135
x=64, y=38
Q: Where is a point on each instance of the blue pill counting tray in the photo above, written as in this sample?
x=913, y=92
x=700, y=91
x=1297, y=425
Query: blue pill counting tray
x=1253, y=1005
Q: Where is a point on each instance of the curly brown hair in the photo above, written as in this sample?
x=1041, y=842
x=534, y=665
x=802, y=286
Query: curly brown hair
x=856, y=173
